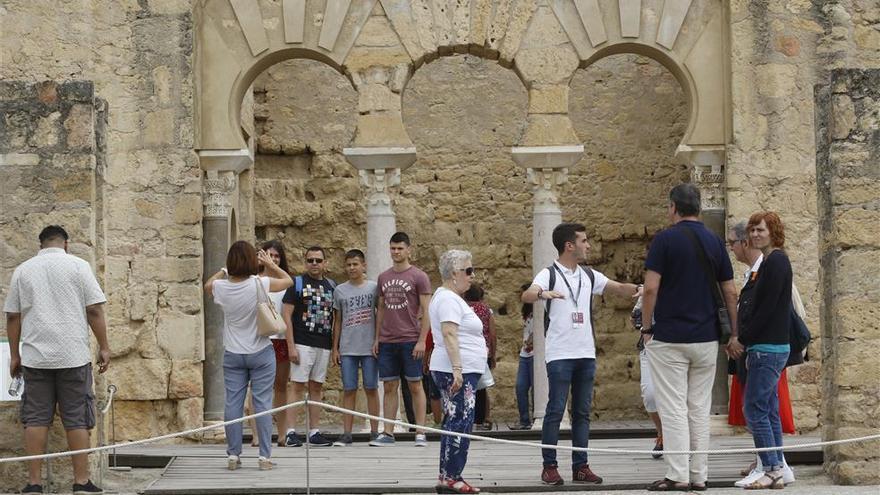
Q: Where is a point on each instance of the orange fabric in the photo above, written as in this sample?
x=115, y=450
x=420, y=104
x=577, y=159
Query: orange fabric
x=735, y=410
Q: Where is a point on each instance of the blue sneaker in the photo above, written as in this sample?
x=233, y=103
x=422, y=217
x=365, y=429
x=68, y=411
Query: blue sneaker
x=383, y=440
x=291, y=440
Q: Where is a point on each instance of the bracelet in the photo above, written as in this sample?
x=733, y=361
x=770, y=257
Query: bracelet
x=456, y=368
x=647, y=331
x=540, y=291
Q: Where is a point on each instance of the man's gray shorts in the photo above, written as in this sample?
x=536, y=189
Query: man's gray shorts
x=68, y=388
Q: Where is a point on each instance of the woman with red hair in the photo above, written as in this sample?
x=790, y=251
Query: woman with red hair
x=764, y=319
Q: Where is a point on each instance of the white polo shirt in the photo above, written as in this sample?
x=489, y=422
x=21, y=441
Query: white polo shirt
x=51, y=291
x=564, y=340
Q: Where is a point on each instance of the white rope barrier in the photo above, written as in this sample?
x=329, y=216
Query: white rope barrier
x=441, y=432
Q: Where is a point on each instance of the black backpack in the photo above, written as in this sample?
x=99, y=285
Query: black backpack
x=552, y=284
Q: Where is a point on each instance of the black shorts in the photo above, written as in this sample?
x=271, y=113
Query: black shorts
x=68, y=388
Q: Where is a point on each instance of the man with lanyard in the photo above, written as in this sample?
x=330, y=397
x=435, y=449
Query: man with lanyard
x=570, y=347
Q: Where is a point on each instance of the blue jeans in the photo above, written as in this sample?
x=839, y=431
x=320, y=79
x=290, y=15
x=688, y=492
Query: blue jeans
x=258, y=369
x=458, y=416
x=369, y=369
x=396, y=357
x=563, y=375
x=761, y=404
x=523, y=386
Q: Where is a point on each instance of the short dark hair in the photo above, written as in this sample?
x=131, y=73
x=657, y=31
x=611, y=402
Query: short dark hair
x=474, y=293
x=355, y=253
x=566, y=232
x=53, y=232
x=241, y=261
x=317, y=249
x=400, y=237
x=686, y=198
x=277, y=246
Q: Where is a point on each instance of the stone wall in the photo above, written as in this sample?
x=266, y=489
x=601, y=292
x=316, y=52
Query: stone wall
x=463, y=114
x=50, y=165
x=142, y=226
x=848, y=135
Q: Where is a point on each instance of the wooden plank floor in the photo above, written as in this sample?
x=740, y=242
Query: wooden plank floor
x=201, y=469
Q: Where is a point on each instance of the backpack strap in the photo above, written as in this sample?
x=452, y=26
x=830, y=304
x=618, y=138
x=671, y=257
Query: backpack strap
x=552, y=284
x=298, y=286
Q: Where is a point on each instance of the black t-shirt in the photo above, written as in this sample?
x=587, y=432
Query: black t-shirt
x=686, y=311
x=312, y=312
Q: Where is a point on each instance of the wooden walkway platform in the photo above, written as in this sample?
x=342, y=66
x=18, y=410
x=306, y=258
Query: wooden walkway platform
x=404, y=468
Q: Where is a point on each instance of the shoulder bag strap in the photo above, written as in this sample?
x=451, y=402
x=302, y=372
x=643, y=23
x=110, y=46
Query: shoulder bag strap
x=704, y=260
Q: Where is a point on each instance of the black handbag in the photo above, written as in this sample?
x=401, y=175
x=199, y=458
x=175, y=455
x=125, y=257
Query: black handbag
x=799, y=339
x=723, y=323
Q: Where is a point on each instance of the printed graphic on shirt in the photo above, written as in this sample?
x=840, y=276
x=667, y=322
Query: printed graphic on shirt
x=359, y=310
x=394, y=291
x=318, y=303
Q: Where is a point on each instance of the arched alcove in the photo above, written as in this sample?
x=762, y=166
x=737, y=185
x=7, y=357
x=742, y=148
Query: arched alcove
x=631, y=114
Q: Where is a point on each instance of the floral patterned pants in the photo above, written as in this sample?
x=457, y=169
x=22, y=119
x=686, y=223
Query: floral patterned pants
x=458, y=416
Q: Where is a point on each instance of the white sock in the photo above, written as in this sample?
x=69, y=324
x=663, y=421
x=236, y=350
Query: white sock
x=312, y=432
x=291, y=430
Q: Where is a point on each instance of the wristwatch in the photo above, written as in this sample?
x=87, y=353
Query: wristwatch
x=540, y=291
x=647, y=331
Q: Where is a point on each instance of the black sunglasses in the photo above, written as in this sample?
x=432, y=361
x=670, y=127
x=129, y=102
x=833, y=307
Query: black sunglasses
x=314, y=261
x=467, y=271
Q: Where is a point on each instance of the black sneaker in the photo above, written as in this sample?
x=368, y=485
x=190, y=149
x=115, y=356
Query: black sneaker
x=318, y=440
x=88, y=488
x=29, y=488
x=291, y=440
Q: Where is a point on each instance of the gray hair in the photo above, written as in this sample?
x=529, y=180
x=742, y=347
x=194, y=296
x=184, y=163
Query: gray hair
x=452, y=260
x=686, y=198
x=739, y=230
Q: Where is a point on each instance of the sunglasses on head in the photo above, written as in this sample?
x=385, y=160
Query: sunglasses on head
x=314, y=261
x=467, y=271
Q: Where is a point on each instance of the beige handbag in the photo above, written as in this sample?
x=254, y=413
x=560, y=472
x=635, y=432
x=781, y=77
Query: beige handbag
x=269, y=322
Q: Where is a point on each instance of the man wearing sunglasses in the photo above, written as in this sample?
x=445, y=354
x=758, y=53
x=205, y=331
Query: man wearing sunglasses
x=570, y=346
x=308, y=312
x=402, y=326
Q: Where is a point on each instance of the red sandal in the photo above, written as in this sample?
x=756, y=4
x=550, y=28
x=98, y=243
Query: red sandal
x=455, y=486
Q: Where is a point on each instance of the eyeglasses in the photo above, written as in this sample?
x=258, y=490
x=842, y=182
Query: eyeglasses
x=733, y=242
x=467, y=271
x=314, y=261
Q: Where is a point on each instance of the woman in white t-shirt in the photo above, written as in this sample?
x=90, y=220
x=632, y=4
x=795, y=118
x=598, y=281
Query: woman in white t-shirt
x=458, y=360
x=248, y=358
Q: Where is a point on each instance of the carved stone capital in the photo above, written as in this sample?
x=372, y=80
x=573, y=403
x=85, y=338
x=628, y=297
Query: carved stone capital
x=712, y=186
x=545, y=184
x=217, y=189
x=378, y=184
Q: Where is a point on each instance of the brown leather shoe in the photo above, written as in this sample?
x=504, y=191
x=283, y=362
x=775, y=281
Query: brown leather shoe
x=550, y=476
x=584, y=475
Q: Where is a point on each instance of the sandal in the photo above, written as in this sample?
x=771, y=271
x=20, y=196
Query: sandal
x=668, y=485
x=455, y=486
x=700, y=487
x=768, y=481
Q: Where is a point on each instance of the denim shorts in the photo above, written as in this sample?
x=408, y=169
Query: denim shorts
x=396, y=357
x=369, y=369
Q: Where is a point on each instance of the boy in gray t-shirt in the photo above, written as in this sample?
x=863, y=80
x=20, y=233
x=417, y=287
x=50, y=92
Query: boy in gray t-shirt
x=355, y=342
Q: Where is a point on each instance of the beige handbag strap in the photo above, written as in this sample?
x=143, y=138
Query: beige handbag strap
x=262, y=292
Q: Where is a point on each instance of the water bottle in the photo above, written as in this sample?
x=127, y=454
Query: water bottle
x=15, y=386
x=636, y=314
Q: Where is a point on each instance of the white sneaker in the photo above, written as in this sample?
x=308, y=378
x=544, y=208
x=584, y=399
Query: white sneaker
x=752, y=477
x=233, y=462
x=421, y=440
x=787, y=474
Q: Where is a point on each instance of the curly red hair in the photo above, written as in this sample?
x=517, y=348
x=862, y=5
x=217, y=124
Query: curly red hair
x=774, y=226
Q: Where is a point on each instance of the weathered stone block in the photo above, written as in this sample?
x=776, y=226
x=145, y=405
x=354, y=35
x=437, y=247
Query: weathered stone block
x=181, y=336
x=80, y=127
x=844, y=116
x=548, y=99
x=850, y=373
x=549, y=130
x=377, y=97
x=186, y=379
x=190, y=414
x=857, y=227
x=138, y=419
x=166, y=269
x=183, y=298
x=139, y=379
x=188, y=209
x=143, y=301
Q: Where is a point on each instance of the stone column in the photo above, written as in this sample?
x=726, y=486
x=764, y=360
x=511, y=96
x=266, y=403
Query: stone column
x=707, y=173
x=547, y=169
x=379, y=169
x=218, y=187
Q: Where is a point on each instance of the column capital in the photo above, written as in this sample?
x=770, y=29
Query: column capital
x=707, y=173
x=380, y=157
x=235, y=160
x=217, y=189
x=378, y=183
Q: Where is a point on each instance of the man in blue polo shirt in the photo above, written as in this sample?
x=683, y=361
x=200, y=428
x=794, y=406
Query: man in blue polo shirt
x=682, y=343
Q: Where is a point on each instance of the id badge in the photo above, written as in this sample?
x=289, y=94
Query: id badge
x=577, y=319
